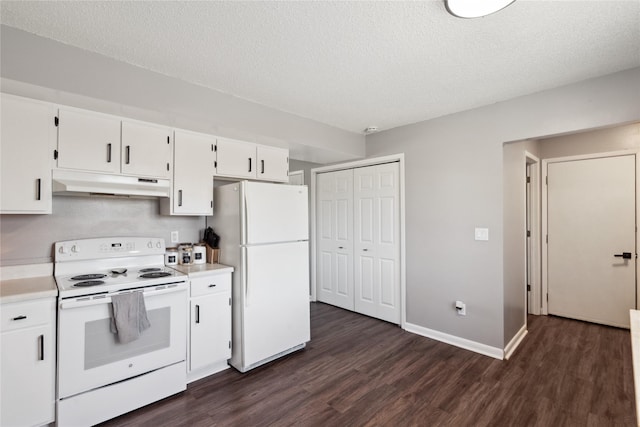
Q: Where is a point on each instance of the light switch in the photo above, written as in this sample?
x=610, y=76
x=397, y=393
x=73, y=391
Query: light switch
x=482, y=234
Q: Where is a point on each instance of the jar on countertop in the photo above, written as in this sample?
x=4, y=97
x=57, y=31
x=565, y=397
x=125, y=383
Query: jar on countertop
x=199, y=253
x=171, y=256
x=185, y=254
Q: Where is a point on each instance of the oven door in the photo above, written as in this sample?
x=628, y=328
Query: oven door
x=89, y=354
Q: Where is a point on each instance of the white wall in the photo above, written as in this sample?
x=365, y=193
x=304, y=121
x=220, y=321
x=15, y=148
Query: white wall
x=455, y=182
x=597, y=141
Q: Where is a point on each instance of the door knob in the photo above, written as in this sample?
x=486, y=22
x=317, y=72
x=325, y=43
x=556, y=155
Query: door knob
x=625, y=255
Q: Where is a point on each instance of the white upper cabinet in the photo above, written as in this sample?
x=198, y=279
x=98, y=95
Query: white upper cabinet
x=98, y=142
x=146, y=149
x=273, y=163
x=88, y=141
x=193, y=161
x=246, y=160
x=27, y=142
x=236, y=159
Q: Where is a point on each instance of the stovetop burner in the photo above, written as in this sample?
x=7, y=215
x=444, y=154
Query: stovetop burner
x=89, y=282
x=89, y=277
x=155, y=274
x=149, y=270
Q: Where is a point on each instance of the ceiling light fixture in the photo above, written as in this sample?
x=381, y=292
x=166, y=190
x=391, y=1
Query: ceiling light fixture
x=475, y=8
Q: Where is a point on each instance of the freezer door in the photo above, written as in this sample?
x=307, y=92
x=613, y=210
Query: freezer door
x=275, y=213
x=276, y=303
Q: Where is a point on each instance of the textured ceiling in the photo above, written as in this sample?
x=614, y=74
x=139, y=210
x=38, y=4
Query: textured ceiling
x=351, y=64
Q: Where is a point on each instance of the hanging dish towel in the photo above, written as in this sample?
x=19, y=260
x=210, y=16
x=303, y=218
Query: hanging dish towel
x=129, y=316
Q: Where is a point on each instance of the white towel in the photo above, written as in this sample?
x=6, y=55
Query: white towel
x=129, y=316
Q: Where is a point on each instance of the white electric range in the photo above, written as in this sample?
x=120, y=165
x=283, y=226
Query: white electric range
x=98, y=376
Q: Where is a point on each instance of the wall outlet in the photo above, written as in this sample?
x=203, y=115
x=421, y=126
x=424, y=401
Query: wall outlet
x=461, y=308
x=175, y=238
x=481, y=234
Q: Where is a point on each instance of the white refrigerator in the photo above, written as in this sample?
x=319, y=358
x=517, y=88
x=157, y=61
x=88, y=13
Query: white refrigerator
x=264, y=234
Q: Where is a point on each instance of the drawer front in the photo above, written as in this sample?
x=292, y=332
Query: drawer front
x=26, y=314
x=211, y=284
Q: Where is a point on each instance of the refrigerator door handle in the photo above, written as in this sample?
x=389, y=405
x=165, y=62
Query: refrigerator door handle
x=245, y=275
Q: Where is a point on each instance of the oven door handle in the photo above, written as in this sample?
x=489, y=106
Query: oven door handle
x=82, y=302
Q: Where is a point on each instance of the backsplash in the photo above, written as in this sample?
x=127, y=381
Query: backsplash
x=29, y=239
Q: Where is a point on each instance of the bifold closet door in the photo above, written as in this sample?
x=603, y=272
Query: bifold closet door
x=377, y=241
x=334, y=231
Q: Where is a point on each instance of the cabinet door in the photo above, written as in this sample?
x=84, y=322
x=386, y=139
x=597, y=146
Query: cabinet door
x=146, y=150
x=236, y=159
x=273, y=163
x=210, y=330
x=334, y=218
x=377, y=241
x=194, y=168
x=28, y=372
x=26, y=143
x=88, y=141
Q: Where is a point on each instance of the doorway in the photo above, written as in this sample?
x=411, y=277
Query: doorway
x=590, y=231
x=532, y=232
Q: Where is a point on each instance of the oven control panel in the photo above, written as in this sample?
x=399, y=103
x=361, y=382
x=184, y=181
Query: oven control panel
x=107, y=247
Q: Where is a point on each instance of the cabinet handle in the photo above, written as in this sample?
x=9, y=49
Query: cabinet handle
x=38, y=189
x=19, y=317
x=340, y=247
x=249, y=164
x=179, y=197
x=128, y=155
x=109, y=153
x=365, y=250
x=262, y=161
x=197, y=313
x=213, y=285
x=41, y=345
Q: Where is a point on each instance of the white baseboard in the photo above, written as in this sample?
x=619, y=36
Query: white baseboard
x=515, y=342
x=477, y=347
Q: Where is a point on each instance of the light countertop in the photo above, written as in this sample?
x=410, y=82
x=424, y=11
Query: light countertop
x=18, y=290
x=195, y=270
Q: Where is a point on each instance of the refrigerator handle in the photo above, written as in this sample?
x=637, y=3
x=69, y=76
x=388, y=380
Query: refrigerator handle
x=245, y=276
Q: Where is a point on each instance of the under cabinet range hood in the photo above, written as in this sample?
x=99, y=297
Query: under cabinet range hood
x=76, y=183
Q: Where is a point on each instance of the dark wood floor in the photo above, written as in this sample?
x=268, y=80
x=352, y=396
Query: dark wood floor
x=359, y=371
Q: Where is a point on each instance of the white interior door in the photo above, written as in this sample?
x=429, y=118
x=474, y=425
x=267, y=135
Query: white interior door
x=591, y=217
x=334, y=222
x=377, y=241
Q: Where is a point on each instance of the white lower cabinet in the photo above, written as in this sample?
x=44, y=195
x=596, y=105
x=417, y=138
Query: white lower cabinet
x=209, y=345
x=27, y=368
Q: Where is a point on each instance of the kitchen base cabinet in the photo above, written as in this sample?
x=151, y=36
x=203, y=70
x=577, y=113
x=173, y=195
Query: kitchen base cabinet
x=210, y=331
x=209, y=345
x=27, y=368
